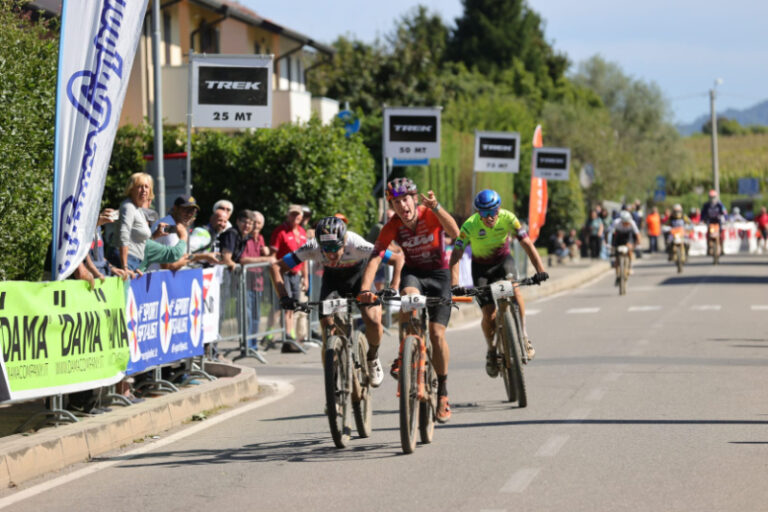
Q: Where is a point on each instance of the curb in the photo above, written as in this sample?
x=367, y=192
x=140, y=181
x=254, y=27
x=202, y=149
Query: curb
x=470, y=312
x=25, y=457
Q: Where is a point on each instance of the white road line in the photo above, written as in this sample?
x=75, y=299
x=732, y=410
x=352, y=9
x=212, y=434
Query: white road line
x=282, y=389
x=531, y=312
x=452, y=329
x=579, y=414
x=706, y=307
x=633, y=309
x=759, y=307
x=582, y=311
x=520, y=480
x=552, y=446
x=596, y=395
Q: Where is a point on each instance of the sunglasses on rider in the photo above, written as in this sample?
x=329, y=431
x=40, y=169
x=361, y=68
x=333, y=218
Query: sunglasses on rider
x=331, y=246
x=488, y=213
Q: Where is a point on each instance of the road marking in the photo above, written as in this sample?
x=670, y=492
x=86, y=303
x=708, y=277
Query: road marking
x=706, y=307
x=283, y=388
x=520, y=480
x=596, y=395
x=759, y=307
x=531, y=312
x=579, y=414
x=470, y=325
x=552, y=446
x=633, y=309
x=581, y=311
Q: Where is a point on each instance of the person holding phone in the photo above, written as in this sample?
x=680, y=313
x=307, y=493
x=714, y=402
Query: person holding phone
x=182, y=214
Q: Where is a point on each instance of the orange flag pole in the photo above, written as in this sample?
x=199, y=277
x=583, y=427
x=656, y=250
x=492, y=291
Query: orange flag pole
x=537, y=205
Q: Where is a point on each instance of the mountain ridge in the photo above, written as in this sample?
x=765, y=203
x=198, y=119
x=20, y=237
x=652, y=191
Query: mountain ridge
x=755, y=115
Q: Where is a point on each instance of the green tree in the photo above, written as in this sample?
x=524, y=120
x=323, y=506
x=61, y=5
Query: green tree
x=27, y=114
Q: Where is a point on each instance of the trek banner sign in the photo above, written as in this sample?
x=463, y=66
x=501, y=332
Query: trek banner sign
x=61, y=337
x=412, y=133
x=497, y=152
x=164, y=317
x=551, y=163
x=97, y=45
x=231, y=91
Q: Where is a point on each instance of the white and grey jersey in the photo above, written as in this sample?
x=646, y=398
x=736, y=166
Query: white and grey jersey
x=356, y=250
x=619, y=227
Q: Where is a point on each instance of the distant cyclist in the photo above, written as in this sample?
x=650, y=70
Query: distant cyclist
x=343, y=255
x=677, y=219
x=420, y=230
x=714, y=212
x=488, y=232
x=625, y=232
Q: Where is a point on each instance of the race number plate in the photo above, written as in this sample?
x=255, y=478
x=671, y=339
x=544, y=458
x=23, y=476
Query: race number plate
x=412, y=302
x=501, y=289
x=623, y=249
x=334, y=306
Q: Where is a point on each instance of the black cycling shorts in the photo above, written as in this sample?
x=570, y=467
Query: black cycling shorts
x=485, y=274
x=623, y=238
x=344, y=281
x=432, y=283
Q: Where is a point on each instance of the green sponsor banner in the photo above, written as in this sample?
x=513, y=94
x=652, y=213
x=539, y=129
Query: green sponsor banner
x=62, y=337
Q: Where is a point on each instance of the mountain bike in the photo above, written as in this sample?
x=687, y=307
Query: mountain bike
x=510, y=343
x=622, y=262
x=417, y=379
x=345, y=368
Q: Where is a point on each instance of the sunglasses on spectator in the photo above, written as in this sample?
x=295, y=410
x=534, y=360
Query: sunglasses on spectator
x=488, y=213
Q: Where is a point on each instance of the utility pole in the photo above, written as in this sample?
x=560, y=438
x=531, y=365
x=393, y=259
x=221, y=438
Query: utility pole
x=713, y=124
x=157, y=110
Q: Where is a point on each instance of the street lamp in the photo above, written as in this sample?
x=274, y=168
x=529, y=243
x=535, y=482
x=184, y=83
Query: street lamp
x=713, y=124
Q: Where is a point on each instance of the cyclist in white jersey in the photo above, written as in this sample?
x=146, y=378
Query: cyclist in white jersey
x=343, y=255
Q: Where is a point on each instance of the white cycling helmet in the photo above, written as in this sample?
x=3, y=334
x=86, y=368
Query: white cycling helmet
x=625, y=217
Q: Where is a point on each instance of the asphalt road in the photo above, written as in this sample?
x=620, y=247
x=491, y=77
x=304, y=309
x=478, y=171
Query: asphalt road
x=652, y=401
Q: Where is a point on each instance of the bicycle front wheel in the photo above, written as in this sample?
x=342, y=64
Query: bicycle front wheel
x=623, y=274
x=337, y=389
x=679, y=256
x=409, y=388
x=363, y=408
x=428, y=408
x=512, y=366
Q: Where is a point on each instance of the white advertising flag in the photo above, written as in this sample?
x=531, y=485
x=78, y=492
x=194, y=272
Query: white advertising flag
x=97, y=45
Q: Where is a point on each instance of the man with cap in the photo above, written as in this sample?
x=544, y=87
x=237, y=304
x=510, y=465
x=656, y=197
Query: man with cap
x=285, y=239
x=183, y=213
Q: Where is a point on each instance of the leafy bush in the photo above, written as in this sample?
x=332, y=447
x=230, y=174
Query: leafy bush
x=27, y=113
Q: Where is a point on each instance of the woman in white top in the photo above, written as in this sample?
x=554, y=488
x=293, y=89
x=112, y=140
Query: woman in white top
x=133, y=228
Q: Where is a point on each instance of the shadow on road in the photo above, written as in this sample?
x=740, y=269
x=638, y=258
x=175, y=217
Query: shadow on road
x=316, y=449
x=687, y=280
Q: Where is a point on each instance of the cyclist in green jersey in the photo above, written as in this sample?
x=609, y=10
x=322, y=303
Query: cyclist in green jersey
x=488, y=232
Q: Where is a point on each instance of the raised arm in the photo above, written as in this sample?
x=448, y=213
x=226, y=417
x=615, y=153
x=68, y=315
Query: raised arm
x=445, y=218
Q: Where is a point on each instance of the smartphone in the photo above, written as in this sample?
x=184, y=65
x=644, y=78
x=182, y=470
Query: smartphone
x=170, y=229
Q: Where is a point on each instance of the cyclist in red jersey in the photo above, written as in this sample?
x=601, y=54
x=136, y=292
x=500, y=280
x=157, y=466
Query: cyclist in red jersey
x=420, y=231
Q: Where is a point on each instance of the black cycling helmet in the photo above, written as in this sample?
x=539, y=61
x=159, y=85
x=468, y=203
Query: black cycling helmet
x=330, y=232
x=400, y=187
x=487, y=200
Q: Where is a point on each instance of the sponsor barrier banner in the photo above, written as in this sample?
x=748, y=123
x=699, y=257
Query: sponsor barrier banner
x=211, y=302
x=412, y=133
x=738, y=237
x=61, y=337
x=97, y=45
x=231, y=91
x=537, y=204
x=497, y=152
x=164, y=317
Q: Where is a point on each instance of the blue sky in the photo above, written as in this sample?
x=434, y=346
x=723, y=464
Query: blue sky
x=682, y=45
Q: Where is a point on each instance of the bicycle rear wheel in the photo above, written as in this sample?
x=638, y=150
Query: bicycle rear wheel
x=428, y=408
x=337, y=390
x=363, y=408
x=409, y=401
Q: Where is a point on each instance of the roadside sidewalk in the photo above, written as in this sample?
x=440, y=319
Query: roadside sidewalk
x=26, y=456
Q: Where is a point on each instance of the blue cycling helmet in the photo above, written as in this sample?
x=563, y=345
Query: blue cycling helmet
x=487, y=200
